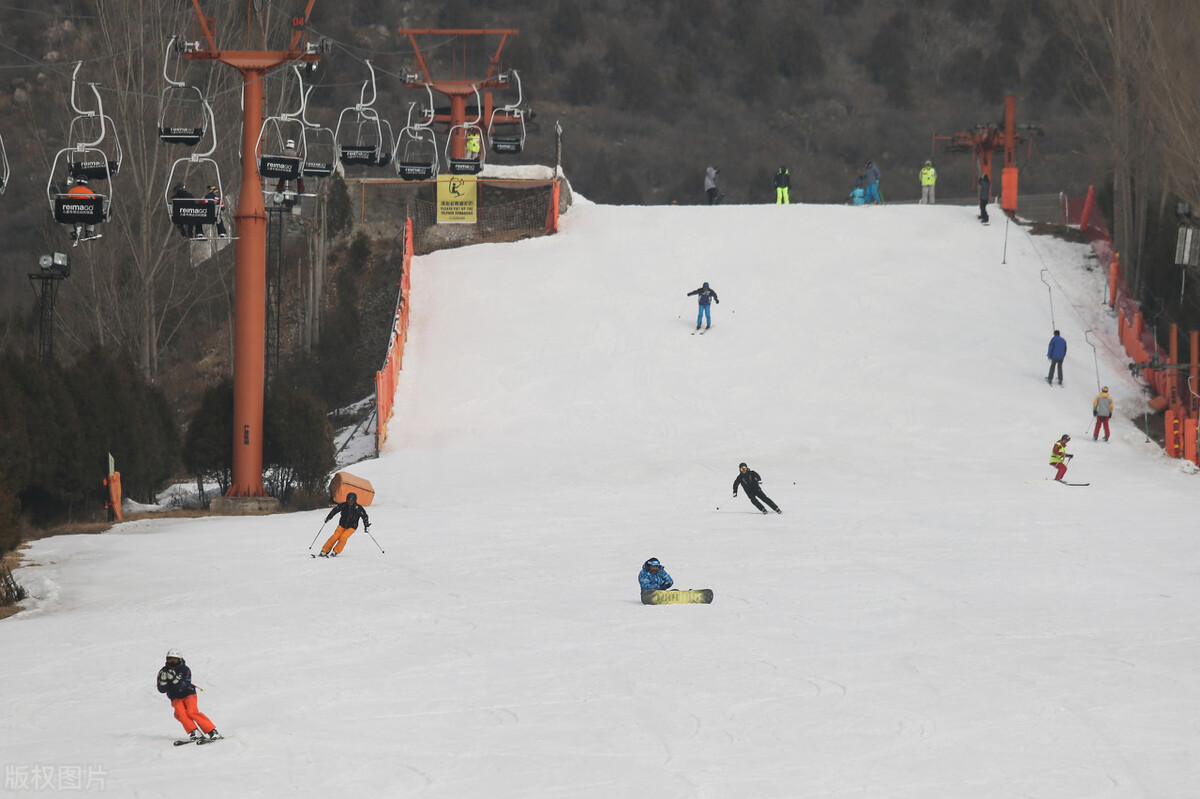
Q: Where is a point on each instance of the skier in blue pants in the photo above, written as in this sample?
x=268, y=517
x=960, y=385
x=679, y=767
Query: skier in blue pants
x=706, y=297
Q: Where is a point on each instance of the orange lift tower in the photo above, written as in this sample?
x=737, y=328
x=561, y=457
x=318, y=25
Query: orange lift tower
x=459, y=86
x=250, y=277
x=985, y=140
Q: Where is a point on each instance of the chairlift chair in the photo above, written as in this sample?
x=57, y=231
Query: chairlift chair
x=276, y=164
x=363, y=139
x=466, y=166
x=78, y=211
x=506, y=125
x=192, y=211
x=88, y=130
x=3, y=166
x=416, y=147
x=181, y=108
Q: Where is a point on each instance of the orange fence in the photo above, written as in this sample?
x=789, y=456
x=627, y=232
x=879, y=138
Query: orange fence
x=386, y=378
x=1174, y=392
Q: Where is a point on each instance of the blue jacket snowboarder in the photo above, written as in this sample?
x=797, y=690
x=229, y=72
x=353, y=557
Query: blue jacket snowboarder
x=749, y=480
x=706, y=297
x=1056, y=352
x=653, y=577
x=871, y=182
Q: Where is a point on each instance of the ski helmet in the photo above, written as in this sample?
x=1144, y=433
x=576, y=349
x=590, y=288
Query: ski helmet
x=82, y=180
x=290, y=143
x=743, y=466
x=653, y=562
x=705, y=285
x=352, y=497
x=174, y=653
x=1065, y=437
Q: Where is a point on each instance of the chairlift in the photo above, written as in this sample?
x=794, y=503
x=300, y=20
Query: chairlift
x=94, y=127
x=78, y=205
x=320, y=145
x=416, y=147
x=181, y=107
x=506, y=125
x=466, y=166
x=278, y=163
x=3, y=166
x=191, y=211
x=363, y=139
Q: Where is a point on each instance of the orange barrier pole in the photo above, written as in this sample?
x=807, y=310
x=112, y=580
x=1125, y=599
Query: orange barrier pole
x=1194, y=371
x=1088, y=203
x=1112, y=281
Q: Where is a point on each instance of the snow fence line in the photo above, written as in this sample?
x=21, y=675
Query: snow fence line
x=1161, y=369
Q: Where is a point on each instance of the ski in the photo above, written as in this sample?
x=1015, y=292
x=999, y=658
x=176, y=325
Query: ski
x=1064, y=482
x=183, y=741
x=204, y=741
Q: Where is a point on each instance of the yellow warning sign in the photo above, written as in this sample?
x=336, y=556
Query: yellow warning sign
x=456, y=199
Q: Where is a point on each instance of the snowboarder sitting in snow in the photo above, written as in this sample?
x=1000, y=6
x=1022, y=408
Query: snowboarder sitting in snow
x=653, y=577
x=351, y=512
x=1059, y=457
x=175, y=680
x=706, y=296
x=748, y=479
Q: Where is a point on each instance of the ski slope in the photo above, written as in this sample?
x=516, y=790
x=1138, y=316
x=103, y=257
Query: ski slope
x=930, y=616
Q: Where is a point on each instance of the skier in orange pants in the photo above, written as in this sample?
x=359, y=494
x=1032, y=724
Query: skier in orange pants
x=175, y=680
x=351, y=512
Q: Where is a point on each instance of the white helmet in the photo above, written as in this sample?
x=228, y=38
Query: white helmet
x=174, y=653
x=290, y=143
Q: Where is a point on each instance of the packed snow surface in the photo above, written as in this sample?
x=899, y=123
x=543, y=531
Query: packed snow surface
x=930, y=616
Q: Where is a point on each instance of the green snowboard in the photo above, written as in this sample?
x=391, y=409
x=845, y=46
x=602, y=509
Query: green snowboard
x=691, y=596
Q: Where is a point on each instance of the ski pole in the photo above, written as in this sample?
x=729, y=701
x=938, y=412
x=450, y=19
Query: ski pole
x=318, y=535
x=368, y=532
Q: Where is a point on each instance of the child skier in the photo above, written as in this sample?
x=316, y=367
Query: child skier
x=351, y=512
x=706, y=297
x=175, y=680
x=749, y=480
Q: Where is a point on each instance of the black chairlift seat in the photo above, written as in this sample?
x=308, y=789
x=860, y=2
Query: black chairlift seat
x=415, y=170
x=359, y=155
x=194, y=211
x=93, y=169
x=316, y=169
x=465, y=166
x=506, y=145
x=283, y=167
x=189, y=136
x=75, y=209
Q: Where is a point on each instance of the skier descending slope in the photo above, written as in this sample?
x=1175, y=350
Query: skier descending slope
x=175, y=680
x=351, y=512
x=706, y=297
x=749, y=480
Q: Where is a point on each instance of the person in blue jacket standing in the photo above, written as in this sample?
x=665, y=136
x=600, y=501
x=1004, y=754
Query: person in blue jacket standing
x=706, y=296
x=1056, y=352
x=653, y=577
x=871, y=181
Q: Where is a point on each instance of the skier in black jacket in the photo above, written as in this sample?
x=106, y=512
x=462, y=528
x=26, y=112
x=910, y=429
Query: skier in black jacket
x=705, y=297
x=351, y=512
x=175, y=680
x=748, y=479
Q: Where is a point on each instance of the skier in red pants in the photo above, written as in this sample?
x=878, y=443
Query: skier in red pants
x=175, y=680
x=1059, y=456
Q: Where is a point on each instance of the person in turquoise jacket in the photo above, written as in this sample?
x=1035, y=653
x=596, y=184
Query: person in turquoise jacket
x=653, y=577
x=859, y=195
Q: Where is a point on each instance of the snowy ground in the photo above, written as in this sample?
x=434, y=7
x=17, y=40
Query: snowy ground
x=930, y=617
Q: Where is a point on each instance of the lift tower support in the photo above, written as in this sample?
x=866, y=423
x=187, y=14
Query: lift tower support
x=250, y=276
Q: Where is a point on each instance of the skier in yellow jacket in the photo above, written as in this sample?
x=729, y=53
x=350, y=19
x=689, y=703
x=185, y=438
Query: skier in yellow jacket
x=928, y=181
